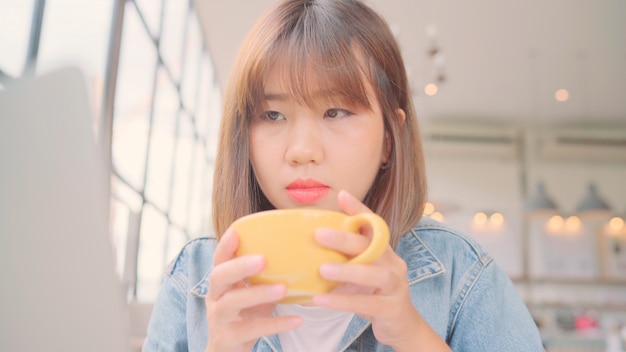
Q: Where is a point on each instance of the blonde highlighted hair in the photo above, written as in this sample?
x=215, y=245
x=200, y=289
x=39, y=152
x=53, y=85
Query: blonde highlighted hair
x=340, y=42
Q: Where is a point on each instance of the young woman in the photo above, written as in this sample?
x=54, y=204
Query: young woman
x=318, y=114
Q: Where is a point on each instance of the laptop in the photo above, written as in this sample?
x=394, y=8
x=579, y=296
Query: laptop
x=59, y=290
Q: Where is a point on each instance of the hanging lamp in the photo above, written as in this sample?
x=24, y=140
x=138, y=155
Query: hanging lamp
x=540, y=202
x=593, y=204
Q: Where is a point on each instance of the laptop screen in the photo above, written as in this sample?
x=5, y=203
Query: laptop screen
x=59, y=288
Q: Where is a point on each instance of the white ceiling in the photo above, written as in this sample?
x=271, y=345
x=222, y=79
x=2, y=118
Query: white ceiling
x=503, y=60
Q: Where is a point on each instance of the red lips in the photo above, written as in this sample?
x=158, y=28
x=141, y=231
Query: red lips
x=307, y=191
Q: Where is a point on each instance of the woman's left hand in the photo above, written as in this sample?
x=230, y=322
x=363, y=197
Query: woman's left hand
x=378, y=292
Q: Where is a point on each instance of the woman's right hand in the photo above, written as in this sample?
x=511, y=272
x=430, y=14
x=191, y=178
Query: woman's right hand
x=239, y=315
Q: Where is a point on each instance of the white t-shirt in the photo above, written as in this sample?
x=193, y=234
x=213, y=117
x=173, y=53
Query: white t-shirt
x=321, y=329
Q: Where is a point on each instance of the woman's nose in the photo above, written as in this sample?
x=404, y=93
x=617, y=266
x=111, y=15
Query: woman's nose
x=304, y=143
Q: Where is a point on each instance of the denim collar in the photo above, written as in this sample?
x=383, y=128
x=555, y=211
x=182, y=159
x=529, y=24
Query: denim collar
x=421, y=263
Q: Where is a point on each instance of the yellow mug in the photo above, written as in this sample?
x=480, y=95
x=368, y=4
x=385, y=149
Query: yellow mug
x=285, y=237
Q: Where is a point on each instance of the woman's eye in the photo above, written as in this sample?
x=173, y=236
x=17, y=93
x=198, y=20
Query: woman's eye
x=336, y=113
x=272, y=116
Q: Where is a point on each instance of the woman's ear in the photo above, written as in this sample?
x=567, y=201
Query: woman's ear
x=401, y=116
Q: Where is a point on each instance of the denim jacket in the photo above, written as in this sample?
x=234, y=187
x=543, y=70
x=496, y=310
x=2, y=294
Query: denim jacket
x=457, y=288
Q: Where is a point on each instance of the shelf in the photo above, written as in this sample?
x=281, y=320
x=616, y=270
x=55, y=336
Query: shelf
x=564, y=281
x=605, y=295
x=579, y=305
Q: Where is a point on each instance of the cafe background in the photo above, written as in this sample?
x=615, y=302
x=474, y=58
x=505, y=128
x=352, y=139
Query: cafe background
x=523, y=114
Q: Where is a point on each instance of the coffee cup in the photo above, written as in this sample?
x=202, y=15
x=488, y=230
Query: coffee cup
x=285, y=237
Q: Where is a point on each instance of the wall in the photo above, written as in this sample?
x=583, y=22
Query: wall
x=563, y=274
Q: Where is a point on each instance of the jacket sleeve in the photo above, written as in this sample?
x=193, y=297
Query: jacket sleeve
x=493, y=317
x=178, y=320
x=167, y=329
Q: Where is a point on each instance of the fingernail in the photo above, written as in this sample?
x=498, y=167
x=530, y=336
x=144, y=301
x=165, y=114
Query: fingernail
x=254, y=261
x=329, y=270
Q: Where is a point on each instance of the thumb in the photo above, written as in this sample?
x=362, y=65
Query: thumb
x=350, y=205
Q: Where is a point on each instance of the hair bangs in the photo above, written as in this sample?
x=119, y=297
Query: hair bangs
x=318, y=65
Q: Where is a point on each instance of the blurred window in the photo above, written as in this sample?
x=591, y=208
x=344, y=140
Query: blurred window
x=15, y=23
x=133, y=100
x=151, y=11
x=77, y=33
x=160, y=149
x=173, y=36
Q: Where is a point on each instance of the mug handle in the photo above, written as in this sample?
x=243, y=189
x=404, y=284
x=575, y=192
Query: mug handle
x=380, y=236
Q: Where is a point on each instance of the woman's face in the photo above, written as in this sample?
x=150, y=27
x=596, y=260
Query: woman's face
x=304, y=155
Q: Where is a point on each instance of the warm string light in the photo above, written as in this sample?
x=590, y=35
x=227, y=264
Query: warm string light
x=437, y=216
x=431, y=89
x=572, y=224
x=429, y=210
x=559, y=225
x=561, y=95
x=496, y=219
x=616, y=223
x=555, y=223
x=482, y=219
x=616, y=227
